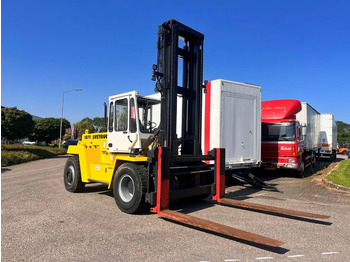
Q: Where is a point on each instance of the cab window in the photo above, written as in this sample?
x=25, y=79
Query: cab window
x=111, y=117
x=121, y=115
x=132, y=116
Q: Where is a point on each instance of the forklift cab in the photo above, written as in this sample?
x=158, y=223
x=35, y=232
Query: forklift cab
x=131, y=120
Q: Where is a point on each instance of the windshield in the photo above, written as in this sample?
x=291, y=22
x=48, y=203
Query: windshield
x=278, y=132
x=149, y=114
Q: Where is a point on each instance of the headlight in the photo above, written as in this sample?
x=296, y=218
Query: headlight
x=291, y=160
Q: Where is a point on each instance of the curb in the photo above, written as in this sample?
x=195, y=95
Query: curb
x=338, y=187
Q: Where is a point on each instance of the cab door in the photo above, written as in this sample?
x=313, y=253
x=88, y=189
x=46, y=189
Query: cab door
x=122, y=129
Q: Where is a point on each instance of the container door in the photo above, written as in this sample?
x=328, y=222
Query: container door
x=239, y=127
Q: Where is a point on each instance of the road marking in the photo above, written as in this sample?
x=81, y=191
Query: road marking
x=297, y=256
x=266, y=258
x=329, y=253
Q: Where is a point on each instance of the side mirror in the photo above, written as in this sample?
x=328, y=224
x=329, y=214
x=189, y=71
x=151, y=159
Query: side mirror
x=303, y=130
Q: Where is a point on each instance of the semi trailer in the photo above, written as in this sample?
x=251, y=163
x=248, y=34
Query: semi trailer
x=328, y=136
x=147, y=160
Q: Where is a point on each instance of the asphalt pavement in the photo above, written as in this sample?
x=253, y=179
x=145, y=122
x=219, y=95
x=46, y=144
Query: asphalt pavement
x=41, y=221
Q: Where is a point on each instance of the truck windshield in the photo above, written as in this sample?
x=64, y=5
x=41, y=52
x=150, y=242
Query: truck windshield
x=149, y=114
x=278, y=132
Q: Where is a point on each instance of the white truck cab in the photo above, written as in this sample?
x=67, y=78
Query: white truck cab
x=131, y=120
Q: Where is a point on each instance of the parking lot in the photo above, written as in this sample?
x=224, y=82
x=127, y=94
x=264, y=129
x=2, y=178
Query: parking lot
x=41, y=221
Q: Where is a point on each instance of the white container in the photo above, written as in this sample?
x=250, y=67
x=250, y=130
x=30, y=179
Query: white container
x=232, y=120
x=328, y=135
x=310, y=117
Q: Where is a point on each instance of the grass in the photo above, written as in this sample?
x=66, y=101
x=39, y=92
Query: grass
x=341, y=176
x=17, y=154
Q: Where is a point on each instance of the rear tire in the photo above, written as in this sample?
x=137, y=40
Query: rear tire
x=72, y=175
x=313, y=160
x=334, y=155
x=129, y=188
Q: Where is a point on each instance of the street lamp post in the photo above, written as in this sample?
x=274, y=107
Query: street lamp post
x=76, y=89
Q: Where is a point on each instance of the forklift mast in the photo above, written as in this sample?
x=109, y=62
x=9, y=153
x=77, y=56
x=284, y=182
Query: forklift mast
x=180, y=48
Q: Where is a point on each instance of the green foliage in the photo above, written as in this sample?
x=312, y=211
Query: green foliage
x=15, y=124
x=16, y=154
x=343, y=138
x=341, y=175
x=66, y=137
x=98, y=122
x=343, y=127
x=48, y=129
x=343, y=132
x=86, y=123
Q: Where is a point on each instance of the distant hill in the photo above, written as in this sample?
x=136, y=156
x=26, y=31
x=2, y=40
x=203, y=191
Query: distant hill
x=343, y=127
x=35, y=117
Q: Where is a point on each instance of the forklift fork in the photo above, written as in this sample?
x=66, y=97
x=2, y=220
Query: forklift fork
x=162, y=205
x=162, y=202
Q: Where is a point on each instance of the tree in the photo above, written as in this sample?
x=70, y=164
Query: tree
x=343, y=132
x=48, y=129
x=343, y=127
x=98, y=123
x=15, y=123
x=84, y=124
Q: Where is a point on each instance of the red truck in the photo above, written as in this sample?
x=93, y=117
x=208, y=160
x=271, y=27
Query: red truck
x=290, y=135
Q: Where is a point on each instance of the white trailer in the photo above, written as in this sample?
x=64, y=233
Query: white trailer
x=328, y=136
x=232, y=120
x=310, y=117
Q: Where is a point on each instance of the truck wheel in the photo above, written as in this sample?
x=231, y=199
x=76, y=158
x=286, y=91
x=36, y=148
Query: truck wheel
x=301, y=172
x=313, y=160
x=334, y=155
x=129, y=188
x=72, y=176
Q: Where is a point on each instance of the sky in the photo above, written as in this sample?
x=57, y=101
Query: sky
x=293, y=49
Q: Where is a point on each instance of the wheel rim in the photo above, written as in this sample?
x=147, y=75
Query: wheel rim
x=70, y=175
x=126, y=188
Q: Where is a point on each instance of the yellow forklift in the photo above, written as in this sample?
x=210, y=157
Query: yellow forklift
x=149, y=157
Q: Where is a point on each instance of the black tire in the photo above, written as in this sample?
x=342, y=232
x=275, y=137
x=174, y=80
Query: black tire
x=313, y=160
x=72, y=175
x=334, y=155
x=129, y=188
x=301, y=172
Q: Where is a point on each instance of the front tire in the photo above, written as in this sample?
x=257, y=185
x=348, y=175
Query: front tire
x=72, y=175
x=129, y=188
x=302, y=169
